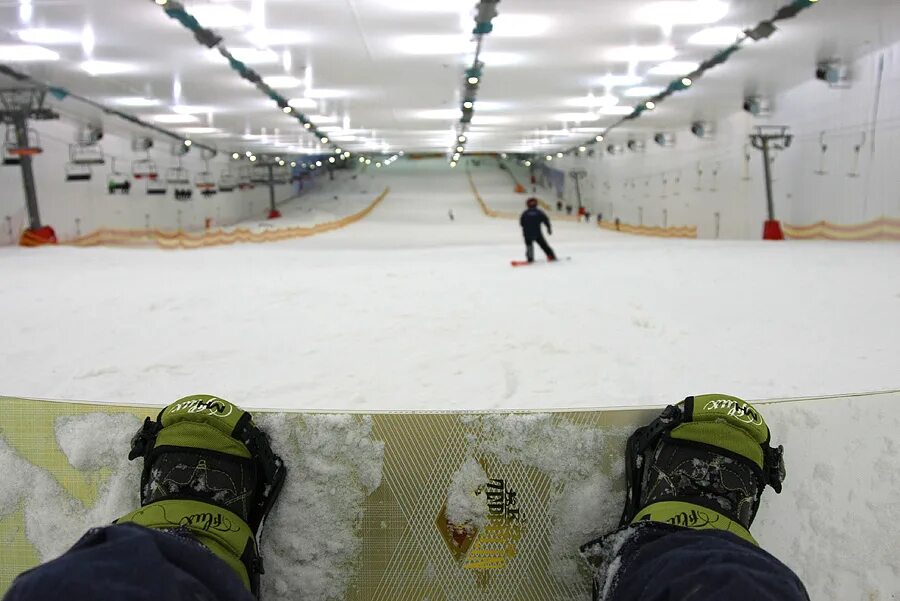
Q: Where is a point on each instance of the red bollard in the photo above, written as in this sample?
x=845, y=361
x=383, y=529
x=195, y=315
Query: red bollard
x=772, y=230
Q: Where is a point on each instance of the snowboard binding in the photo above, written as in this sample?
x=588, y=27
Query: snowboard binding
x=709, y=452
x=206, y=463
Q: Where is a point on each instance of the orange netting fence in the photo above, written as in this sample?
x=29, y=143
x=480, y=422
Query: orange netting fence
x=178, y=239
x=885, y=228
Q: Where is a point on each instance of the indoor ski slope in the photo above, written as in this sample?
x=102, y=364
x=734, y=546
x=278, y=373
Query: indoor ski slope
x=408, y=309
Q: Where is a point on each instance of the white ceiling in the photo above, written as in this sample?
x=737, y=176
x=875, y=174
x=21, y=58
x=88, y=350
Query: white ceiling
x=387, y=74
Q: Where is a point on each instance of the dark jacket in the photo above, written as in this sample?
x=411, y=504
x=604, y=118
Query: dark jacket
x=531, y=221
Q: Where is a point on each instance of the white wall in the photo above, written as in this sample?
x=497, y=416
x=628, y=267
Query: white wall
x=718, y=184
x=74, y=208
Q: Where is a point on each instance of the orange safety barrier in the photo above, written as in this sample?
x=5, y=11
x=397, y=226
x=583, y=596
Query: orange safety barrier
x=39, y=237
x=687, y=231
x=178, y=239
x=684, y=231
x=885, y=228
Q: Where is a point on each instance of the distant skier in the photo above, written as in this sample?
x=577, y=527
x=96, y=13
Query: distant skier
x=451, y=215
x=531, y=221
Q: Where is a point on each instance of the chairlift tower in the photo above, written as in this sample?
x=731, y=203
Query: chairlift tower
x=17, y=106
x=578, y=175
x=768, y=138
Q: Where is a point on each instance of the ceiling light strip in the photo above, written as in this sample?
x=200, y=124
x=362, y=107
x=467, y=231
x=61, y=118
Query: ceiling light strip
x=760, y=31
x=211, y=39
x=486, y=10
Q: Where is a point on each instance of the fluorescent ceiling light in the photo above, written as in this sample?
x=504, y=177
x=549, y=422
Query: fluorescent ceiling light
x=323, y=93
x=88, y=41
x=631, y=54
x=673, y=68
x=430, y=45
x=519, y=26
x=16, y=53
x=716, y=36
x=616, y=110
x=136, y=101
x=107, y=67
x=48, y=36
x=199, y=130
x=254, y=56
x=303, y=103
x=277, y=37
x=322, y=118
x=169, y=118
x=614, y=81
x=683, y=12
x=490, y=120
x=438, y=114
x=190, y=109
x=641, y=91
x=221, y=16
x=283, y=82
x=593, y=101
x=496, y=59
x=575, y=117
x=429, y=6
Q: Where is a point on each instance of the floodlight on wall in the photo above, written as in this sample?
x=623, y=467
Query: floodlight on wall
x=664, y=139
x=702, y=129
x=833, y=72
x=758, y=106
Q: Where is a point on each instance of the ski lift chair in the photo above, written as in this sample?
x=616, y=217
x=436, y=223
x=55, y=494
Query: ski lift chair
x=259, y=175
x=227, y=182
x=86, y=154
x=205, y=181
x=244, y=180
x=178, y=176
x=281, y=175
x=155, y=187
x=13, y=152
x=144, y=169
x=76, y=172
x=117, y=181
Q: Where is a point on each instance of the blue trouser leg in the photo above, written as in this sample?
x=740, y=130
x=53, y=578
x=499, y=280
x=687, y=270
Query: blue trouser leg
x=131, y=563
x=659, y=562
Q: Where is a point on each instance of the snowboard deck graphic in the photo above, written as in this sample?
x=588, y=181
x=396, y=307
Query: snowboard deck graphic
x=368, y=494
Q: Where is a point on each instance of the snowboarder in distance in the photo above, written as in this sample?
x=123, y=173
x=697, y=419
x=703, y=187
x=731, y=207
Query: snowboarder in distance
x=531, y=221
x=451, y=215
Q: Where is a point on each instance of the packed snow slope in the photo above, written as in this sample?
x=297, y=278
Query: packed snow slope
x=409, y=309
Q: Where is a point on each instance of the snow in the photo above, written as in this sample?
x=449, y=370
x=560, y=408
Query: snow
x=409, y=310
x=310, y=540
x=466, y=503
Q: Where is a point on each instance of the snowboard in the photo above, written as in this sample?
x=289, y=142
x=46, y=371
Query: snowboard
x=416, y=505
x=526, y=263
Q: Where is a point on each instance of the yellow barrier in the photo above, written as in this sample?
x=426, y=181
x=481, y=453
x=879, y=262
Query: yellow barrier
x=170, y=240
x=687, y=231
x=684, y=231
x=885, y=228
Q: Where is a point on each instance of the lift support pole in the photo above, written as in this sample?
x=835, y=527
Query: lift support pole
x=766, y=138
x=20, y=124
x=16, y=107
